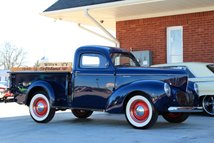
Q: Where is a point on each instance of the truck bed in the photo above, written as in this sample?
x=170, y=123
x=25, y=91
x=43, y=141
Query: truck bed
x=21, y=82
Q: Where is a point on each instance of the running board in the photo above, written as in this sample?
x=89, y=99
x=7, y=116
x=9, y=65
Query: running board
x=185, y=109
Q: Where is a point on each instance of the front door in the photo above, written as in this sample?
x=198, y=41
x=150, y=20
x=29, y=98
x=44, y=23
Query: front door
x=175, y=44
x=93, y=81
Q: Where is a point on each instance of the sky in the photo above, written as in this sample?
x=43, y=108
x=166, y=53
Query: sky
x=22, y=25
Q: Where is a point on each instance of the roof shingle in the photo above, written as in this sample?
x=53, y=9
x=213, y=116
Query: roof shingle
x=65, y=4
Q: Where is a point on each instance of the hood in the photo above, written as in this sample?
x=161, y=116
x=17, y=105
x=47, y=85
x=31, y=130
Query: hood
x=174, y=77
x=142, y=70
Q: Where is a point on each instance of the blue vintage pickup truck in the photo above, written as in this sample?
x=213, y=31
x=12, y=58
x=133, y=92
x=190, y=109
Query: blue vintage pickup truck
x=106, y=79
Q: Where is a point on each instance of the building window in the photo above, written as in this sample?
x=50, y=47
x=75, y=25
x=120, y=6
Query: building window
x=175, y=44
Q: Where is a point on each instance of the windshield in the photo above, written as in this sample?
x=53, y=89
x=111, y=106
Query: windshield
x=211, y=68
x=124, y=60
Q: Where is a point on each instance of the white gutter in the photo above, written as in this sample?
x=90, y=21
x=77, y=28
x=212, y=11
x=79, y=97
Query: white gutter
x=95, y=33
x=112, y=38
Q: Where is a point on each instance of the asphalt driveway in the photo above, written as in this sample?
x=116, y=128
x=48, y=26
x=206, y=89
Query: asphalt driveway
x=16, y=126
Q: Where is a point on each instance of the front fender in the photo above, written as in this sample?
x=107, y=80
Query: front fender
x=41, y=85
x=151, y=88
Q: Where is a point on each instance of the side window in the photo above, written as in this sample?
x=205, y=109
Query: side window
x=93, y=61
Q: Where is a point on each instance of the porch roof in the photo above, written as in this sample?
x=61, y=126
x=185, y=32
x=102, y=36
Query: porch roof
x=108, y=12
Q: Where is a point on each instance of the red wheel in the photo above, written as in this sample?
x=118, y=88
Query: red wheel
x=140, y=112
x=40, y=109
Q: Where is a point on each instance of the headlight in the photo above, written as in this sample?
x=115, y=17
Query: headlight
x=196, y=88
x=167, y=89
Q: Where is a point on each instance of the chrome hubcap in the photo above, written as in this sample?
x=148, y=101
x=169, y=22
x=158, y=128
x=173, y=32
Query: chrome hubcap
x=40, y=107
x=140, y=111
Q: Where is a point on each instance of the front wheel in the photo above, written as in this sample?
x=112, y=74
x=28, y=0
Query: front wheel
x=175, y=117
x=40, y=109
x=79, y=113
x=208, y=105
x=140, y=112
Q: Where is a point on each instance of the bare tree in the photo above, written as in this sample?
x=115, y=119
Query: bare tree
x=11, y=56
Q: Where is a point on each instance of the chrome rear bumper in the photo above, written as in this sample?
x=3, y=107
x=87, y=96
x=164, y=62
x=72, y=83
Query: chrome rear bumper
x=185, y=109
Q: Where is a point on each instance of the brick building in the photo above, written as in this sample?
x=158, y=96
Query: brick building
x=173, y=30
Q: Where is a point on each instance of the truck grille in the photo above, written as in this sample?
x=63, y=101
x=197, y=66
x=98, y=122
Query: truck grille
x=185, y=99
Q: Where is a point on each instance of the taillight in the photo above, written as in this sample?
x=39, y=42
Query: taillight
x=8, y=94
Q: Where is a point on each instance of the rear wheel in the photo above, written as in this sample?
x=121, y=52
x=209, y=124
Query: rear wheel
x=140, y=112
x=208, y=105
x=79, y=113
x=175, y=117
x=40, y=109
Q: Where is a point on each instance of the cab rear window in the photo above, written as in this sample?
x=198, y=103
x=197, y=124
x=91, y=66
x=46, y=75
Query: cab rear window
x=93, y=60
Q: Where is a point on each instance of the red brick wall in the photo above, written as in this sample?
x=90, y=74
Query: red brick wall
x=150, y=34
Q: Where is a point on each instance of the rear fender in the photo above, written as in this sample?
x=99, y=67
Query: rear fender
x=40, y=85
x=150, y=88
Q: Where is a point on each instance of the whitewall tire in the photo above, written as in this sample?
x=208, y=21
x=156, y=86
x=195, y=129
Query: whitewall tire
x=40, y=109
x=140, y=112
